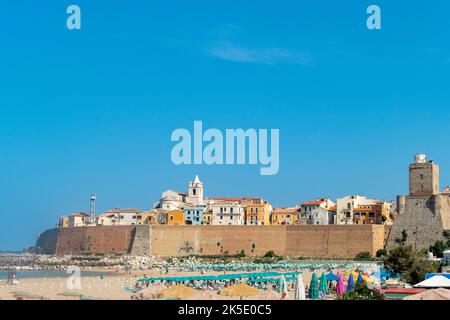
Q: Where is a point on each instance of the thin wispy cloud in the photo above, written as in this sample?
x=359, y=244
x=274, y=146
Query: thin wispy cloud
x=269, y=56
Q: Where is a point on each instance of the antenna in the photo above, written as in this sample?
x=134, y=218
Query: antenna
x=92, y=207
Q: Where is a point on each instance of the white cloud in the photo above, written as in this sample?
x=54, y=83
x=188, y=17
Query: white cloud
x=271, y=56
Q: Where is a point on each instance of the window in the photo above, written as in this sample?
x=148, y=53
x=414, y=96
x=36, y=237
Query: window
x=171, y=218
x=371, y=214
x=231, y=210
x=194, y=192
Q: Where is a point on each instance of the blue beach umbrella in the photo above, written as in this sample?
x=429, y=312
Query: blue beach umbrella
x=332, y=277
x=351, y=283
x=360, y=280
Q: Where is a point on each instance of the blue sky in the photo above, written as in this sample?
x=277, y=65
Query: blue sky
x=93, y=110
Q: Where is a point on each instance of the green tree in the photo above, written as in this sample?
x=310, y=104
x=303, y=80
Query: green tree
x=411, y=264
x=400, y=259
x=438, y=248
x=381, y=253
x=418, y=271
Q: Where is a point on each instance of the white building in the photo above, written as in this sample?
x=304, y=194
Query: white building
x=173, y=200
x=446, y=258
x=195, y=192
x=307, y=207
x=228, y=213
x=79, y=219
x=345, y=207
x=119, y=217
x=321, y=216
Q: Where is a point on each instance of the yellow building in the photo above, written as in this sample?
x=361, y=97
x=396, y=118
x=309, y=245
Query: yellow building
x=208, y=217
x=378, y=213
x=63, y=222
x=258, y=214
x=285, y=216
x=147, y=217
x=175, y=217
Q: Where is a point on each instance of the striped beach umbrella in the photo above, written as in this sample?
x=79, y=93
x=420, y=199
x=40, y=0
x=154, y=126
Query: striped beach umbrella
x=313, y=292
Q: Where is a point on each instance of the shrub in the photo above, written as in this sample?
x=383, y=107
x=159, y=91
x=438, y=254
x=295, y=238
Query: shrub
x=270, y=254
x=241, y=254
x=363, y=256
x=362, y=292
x=381, y=253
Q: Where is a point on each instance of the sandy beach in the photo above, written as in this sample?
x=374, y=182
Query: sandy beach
x=111, y=287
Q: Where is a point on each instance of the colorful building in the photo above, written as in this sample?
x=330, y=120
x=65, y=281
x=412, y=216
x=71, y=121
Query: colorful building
x=194, y=215
x=147, y=217
x=378, y=213
x=285, y=216
x=258, y=214
x=175, y=217
x=345, y=207
x=208, y=217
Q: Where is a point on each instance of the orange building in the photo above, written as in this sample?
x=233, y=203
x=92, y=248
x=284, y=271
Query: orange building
x=258, y=214
x=368, y=214
x=285, y=216
x=175, y=217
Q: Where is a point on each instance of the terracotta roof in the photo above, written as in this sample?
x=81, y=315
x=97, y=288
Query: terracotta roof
x=120, y=210
x=79, y=214
x=315, y=202
x=234, y=199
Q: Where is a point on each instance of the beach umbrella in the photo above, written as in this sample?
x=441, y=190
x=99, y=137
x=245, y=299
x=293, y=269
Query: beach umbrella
x=282, y=287
x=360, y=280
x=323, y=283
x=178, y=292
x=332, y=277
x=351, y=283
x=240, y=290
x=340, y=288
x=300, y=288
x=313, y=292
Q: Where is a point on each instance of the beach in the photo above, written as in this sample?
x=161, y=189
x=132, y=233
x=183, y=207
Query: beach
x=117, y=285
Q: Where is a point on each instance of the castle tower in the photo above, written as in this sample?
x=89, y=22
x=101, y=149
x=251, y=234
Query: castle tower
x=195, y=193
x=423, y=215
x=423, y=177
